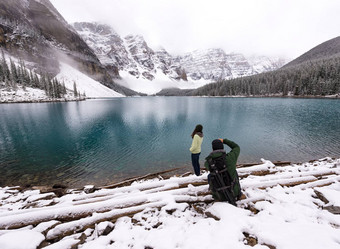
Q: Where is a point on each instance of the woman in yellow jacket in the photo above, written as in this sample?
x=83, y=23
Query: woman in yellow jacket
x=197, y=139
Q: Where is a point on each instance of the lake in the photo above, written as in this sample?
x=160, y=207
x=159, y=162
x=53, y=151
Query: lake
x=108, y=140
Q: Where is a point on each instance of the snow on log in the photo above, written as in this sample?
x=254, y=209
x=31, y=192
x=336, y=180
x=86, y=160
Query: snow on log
x=64, y=213
x=81, y=224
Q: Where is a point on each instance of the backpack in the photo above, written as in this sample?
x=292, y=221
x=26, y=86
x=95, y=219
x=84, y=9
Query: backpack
x=220, y=182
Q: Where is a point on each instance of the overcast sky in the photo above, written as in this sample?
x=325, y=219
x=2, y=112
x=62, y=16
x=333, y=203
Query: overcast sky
x=263, y=27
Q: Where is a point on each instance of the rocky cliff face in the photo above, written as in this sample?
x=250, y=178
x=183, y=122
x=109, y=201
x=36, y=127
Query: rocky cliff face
x=170, y=66
x=105, y=43
x=20, y=37
x=132, y=54
x=142, y=55
x=35, y=29
x=209, y=65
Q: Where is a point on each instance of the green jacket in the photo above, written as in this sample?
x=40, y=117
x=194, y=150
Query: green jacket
x=231, y=160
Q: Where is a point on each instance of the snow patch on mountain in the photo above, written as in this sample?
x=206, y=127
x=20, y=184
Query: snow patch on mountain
x=84, y=83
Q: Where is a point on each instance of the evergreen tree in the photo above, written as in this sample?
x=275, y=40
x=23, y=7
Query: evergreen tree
x=14, y=73
x=5, y=69
x=50, y=89
x=44, y=84
x=2, y=76
x=31, y=79
x=75, y=91
x=24, y=76
x=57, y=88
x=63, y=88
x=36, y=81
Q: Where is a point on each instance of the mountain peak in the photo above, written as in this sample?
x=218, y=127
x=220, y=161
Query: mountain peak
x=100, y=28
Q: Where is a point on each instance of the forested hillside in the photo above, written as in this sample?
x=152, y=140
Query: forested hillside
x=310, y=78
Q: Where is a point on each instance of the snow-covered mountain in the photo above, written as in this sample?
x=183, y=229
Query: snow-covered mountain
x=214, y=64
x=130, y=54
x=133, y=55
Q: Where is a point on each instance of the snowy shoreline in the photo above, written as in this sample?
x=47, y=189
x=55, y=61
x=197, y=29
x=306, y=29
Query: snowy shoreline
x=287, y=206
x=96, y=98
x=41, y=101
x=32, y=95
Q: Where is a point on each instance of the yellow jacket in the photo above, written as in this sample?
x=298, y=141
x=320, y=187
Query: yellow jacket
x=196, y=144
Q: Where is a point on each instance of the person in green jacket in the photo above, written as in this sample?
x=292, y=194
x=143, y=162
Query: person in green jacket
x=230, y=160
x=197, y=139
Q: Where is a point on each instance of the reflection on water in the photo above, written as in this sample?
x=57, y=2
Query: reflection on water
x=102, y=141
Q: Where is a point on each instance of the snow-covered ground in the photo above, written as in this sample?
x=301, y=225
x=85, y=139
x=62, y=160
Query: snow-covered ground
x=294, y=206
x=29, y=95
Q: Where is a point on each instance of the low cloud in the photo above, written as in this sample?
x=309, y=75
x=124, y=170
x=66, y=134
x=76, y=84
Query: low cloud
x=275, y=28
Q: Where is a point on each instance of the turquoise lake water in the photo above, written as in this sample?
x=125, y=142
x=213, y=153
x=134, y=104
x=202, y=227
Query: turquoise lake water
x=104, y=141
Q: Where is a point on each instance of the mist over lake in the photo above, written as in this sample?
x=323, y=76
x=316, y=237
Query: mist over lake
x=103, y=141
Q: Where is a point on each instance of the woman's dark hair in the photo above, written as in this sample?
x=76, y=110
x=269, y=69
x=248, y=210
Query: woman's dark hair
x=198, y=128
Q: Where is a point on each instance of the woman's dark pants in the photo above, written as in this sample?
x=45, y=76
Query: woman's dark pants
x=195, y=163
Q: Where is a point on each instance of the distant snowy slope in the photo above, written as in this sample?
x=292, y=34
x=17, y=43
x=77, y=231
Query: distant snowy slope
x=160, y=82
x=85, y=84
x=262, y=64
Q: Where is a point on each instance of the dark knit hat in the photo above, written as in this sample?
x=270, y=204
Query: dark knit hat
x=217, y=145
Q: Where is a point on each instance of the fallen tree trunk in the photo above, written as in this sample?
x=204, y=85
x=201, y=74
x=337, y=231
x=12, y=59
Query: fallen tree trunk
x=138, y=178
x=63, y=214
x=71, y=227
x=84, y=223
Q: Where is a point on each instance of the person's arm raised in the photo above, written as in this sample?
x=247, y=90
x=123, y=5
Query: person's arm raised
x=235, y=148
